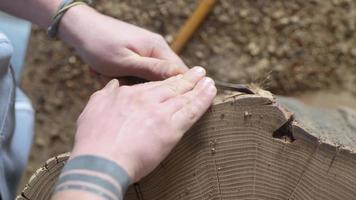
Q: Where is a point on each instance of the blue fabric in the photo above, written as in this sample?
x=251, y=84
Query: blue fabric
x=7, y=107
x=19, y=147
x=18, y=32
x=15, y=138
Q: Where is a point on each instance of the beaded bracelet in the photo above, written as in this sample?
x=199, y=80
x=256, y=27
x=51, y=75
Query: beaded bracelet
x=63, y=7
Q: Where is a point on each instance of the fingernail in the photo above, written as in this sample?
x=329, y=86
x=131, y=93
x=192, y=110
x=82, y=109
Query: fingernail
x=112, y=83
x=199, y=70
x=208, y=81
x=212, y=89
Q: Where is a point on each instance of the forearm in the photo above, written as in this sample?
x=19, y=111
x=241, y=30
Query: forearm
x=37, y=11
x=40, y=12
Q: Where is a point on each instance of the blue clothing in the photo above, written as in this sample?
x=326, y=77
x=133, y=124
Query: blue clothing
x=15, y=138
x=18, y=32
x=7, y=112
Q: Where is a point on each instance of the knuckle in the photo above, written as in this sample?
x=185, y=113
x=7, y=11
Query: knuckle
x=168, y=68
x=157, y=66
x=159, y=41
x=187, y=83
x=158, y=38
x=174, y=88
x=179, y=86
x=192, y=112
x=173, y=83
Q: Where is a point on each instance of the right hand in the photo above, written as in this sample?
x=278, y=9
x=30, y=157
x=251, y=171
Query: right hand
x=137, y=126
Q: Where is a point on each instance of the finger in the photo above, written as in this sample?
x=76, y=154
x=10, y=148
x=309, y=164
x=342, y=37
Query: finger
x=180, y=101
x=114, y=83
x=166, y=53
x=179, y=84
x=154, y=84
x=188, y=108
x=150, y=68
x=103, y=80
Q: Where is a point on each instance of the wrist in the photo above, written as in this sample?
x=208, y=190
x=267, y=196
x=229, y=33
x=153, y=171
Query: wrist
x=74, y=23
x=117, y=157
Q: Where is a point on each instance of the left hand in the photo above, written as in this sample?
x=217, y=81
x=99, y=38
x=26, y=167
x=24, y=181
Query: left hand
x=115, y=48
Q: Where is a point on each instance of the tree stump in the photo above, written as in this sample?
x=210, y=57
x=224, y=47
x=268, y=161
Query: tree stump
x=248, y=147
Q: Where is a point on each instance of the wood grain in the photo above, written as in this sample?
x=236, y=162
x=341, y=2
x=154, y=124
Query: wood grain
x=231, y=154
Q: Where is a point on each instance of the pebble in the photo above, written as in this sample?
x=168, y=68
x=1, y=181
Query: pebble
x=72, y=60
x=253, y=49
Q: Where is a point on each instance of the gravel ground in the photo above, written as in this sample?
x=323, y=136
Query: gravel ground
x=288, y=47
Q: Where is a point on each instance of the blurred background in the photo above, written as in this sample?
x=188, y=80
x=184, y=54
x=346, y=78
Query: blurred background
x=301, y=48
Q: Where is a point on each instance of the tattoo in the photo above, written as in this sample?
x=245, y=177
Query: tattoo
x=90, y=179
x=86, y=189
x=95, y=175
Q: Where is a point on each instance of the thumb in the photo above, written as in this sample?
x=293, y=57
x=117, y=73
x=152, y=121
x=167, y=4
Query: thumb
x=103, y=80
x=151, y=68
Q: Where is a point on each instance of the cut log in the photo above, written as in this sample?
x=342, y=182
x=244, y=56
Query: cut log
x=249, y=147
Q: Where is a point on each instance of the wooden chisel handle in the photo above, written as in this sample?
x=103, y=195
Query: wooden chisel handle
x=192, y=24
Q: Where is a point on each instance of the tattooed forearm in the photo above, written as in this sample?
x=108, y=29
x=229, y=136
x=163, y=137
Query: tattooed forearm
x=94, y=175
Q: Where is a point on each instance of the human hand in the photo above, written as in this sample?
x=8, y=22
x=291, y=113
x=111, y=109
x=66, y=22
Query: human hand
x=137, y=126
x=114, y=48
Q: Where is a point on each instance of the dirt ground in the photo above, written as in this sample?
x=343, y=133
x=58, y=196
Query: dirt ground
x=291, y=47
